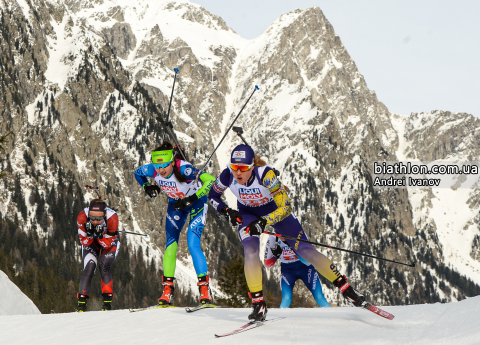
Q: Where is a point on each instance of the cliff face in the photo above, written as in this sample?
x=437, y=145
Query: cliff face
x=83, y=83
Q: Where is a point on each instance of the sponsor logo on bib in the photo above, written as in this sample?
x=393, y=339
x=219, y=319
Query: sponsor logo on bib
x=167, y=183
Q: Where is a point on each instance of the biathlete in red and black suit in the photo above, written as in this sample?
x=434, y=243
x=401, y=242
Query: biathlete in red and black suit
x=98, y=233
x=262, y=200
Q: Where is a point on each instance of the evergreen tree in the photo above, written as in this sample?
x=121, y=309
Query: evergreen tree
x=3, y=140
x=233, y=284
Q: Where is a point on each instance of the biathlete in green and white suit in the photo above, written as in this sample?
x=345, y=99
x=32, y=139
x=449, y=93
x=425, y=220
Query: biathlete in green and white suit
x=175, y=176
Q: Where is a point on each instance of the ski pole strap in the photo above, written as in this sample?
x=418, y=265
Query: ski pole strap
x=343, y=250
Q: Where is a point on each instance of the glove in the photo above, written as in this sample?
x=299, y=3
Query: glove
x=277, y=251
x=89, y=230
x=151, y=190
x=99, y=231
x=233, y=216
x=180, y=204
x=256, y=227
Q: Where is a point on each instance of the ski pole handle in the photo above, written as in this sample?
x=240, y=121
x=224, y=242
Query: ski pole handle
x=341, y=249
x=96, y=189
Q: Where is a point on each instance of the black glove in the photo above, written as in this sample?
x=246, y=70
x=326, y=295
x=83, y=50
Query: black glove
x=89, y=229
x=233, y=216
x=277, y=251
x=180, y=204
x=256, y=227
x=99, y=231
x=152, y=190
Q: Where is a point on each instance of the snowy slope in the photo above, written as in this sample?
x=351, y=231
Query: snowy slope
x=447, y=209
x=13, y=301
x=452, y=323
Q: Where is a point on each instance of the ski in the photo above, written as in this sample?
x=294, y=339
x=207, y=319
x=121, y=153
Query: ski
x=201, y=306
x=377, y=310
x=152, y=307
x=248, y=326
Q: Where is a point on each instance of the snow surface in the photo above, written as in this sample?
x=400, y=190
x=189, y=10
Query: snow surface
x=452, y=323
x=13, y=302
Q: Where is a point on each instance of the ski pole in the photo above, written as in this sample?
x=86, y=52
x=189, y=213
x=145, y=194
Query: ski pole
x=171, y=97
x=239, y=131
x=168, y=124
x=133, y=233
x=96, y=189
x=221, y=140
x=343, y=250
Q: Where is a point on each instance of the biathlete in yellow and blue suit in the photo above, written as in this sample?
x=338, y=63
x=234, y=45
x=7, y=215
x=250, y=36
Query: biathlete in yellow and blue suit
x=175, y=176
x=262, y=200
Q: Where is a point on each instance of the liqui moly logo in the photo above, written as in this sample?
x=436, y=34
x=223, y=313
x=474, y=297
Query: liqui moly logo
x=167, y=184
x=246, y=194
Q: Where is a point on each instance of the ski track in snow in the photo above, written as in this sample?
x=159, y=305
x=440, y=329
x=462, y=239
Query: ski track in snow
x=452, y=323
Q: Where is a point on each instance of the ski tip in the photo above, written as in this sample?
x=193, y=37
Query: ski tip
x=176, y=70
x=256, y=87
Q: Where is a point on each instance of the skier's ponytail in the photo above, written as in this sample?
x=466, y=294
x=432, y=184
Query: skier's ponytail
x=257, y=161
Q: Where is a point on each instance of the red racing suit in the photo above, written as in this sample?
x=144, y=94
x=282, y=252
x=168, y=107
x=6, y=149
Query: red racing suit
x=98, y=250
x=110, y=234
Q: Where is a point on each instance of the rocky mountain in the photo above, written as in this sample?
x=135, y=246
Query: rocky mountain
x=84, y=81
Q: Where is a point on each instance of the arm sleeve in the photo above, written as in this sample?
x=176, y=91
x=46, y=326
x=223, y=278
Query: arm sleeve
x=207, y=183
x=190, y=173
x=143, y=172
x=284, y=208
x=218, y=188
x=269, y=260
x=82, y=235
x=111, y=234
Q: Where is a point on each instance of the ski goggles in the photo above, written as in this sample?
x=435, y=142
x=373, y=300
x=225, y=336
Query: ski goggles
x=161, y=159
x=163, y=166
x=241, y=167
x=96, y=218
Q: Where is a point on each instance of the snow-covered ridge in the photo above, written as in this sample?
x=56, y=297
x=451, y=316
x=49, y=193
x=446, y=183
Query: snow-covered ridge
x=449, y=211
x=13, y=301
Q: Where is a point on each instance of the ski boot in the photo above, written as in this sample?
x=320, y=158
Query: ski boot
x=204, y=289
x=107, y=301
x=259, y=312
x=352, y=296
x=168, y=291
x=82, y=303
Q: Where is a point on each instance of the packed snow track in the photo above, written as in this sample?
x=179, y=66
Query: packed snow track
x=453, y=323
